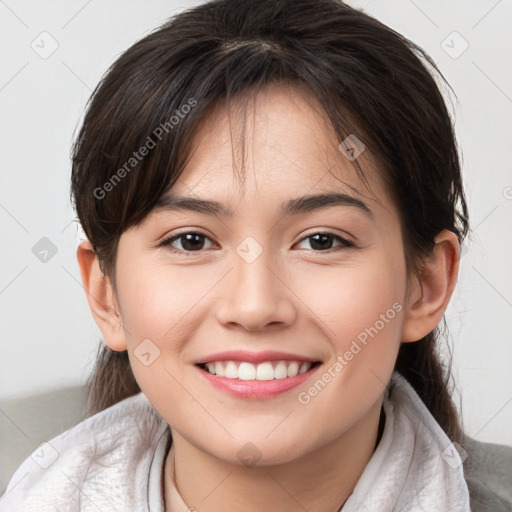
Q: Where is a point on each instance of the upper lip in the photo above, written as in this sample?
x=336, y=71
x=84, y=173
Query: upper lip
x=254, y=357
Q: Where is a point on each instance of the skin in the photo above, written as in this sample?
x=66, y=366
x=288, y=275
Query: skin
x=294, y=297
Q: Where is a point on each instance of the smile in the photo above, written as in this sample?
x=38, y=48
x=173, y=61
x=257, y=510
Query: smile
x=256, y=380
x=267, y=370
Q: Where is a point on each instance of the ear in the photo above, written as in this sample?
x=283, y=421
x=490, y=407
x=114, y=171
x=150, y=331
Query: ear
x=101, y=297
x=428, y=296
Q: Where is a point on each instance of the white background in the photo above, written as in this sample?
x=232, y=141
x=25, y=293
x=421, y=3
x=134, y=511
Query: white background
x=48, y=336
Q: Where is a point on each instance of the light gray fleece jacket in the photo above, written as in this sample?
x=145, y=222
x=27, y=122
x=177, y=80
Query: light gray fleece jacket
x=114, y=461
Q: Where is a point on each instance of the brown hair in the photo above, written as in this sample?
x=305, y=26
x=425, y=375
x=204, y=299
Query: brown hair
x=370, y=81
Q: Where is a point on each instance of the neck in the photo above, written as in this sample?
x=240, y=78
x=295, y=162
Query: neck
x=321, y=480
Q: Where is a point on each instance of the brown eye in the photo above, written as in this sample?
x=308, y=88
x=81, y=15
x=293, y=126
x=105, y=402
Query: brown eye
x=189, y=242
x=324, y=241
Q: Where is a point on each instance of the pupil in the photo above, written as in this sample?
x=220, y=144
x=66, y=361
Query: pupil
x=324, y=238
x=188, y=239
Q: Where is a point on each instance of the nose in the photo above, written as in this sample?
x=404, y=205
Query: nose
x=256, y=296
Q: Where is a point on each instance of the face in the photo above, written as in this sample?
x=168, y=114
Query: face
x=317, y=289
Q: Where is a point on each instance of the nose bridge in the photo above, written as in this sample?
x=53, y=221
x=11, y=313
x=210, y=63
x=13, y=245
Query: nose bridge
x=256, y=296
x=252, y=269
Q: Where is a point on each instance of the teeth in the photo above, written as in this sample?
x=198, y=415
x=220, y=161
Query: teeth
x=304, y=367
x=263, y=371
x=231, y=370
x=280, y=371
x=219, y=370
x=246, y=371
x=293, y=369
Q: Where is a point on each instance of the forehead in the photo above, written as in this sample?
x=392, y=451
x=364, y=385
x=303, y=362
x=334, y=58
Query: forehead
x=276, y=142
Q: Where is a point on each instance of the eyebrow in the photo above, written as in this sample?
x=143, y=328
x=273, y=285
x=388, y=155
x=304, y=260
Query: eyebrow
x=296, y=206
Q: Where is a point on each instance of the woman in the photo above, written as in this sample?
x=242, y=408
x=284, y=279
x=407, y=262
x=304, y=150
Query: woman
x=272, y=197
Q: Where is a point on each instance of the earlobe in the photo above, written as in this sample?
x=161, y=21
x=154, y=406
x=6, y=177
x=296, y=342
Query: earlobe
x=429, y=294
x=101, y=298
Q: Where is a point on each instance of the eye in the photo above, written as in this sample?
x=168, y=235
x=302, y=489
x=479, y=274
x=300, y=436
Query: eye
x=189, y=241
x=321, y=242
x=195, y=242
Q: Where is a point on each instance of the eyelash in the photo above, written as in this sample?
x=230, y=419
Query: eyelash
x=345, y=244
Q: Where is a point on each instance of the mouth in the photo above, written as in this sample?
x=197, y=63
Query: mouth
x=267, y=370
x=263, y=380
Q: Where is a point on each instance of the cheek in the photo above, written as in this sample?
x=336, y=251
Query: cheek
x=157, y=300
x=349, y=300
x=163, y=307
x=361, y=315
x=159, y=308
x=361, y=311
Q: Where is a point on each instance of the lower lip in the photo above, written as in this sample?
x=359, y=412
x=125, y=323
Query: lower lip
x=256, y=388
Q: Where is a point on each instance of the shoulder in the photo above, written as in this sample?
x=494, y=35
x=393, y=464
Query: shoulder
x=488, y=473
x=105, y=458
